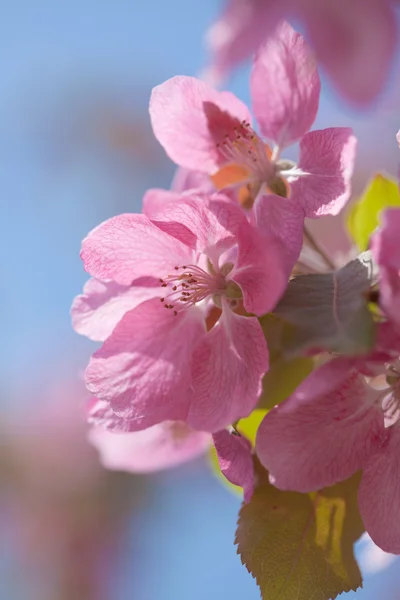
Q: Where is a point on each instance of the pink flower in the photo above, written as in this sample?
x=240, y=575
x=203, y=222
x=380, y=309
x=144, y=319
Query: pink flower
x=333, y=426
x=210, y=131
x=188, y=354
x=386, y=251
x=159, y=447
x=355, y=41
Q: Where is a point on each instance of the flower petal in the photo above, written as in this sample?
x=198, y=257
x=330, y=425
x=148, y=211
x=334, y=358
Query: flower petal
x=283, y=219
x=143, y=368
x=379, y=494
x=189, y=118
x=385, y=247
x=355, y=42
x=312, y=440
x=129, y=246
x=213, y=220
x=327, y=157
x=96, y=312
x=235, y=460
x=259, y=270
x=228, y=366
x=187, y=179
x=237, y=34
x=159, y=447
x=285, y=87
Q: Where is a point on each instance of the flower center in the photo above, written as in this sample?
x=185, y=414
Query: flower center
x=249, y=165
x=189, y=285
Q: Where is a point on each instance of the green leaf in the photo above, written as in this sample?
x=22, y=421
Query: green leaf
x=247, y=427
x=330, y=311
x=301, y=545
x=363, y=217
x=283, y=378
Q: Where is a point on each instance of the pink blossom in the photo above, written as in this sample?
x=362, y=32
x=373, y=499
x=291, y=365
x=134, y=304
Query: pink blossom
x=386, y=251
x=187, y=355
x=235, y=460
x=159, y=447
x=335, y=424
x=355, y=41
x=210, y=131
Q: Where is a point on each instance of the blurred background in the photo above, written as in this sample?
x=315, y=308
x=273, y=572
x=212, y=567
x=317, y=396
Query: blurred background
x=76, y=148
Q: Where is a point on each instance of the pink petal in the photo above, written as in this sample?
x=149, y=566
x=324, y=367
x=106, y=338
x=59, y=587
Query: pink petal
x=385, y=245
x=187, y=179
x=101, y=416
x=189, y=118
x=156, y=200
x=235, y=460
x=356, y=42
x=143, y=368
x=213, y=220
x=159, y=447
x=379, y=494
x=259, y=270
x=283, y=219
x=315, y=440
x=129, y=246
x=285, y=87
x=228, y=366
x=327, y=156
x=238, y=32
x=96, y=312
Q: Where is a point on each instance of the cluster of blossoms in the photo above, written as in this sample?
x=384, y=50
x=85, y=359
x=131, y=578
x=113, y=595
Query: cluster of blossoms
x=177, y=295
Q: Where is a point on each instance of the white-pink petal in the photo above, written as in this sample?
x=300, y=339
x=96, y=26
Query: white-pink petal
x=159, y=447
x=102, y=305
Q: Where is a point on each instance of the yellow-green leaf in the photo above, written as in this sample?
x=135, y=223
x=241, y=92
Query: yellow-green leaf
x=301, y=545
x=247, y=427
x=283, y=378
x=363, y=217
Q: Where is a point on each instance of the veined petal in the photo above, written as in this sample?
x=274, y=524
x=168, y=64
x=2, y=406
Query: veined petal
x=312, y=441
x=212, y=219
x=327, y=157
x=130, y=246
x=285, y=86
x=235, y=460
x=283, y=219
x=189, y=118
x=96, y=312
x=385, y=247
x=227, y=369
x=379, y=494
x=143, y=368
x=259, y=270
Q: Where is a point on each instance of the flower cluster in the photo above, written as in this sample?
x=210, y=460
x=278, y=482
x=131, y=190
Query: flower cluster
x=180, y=297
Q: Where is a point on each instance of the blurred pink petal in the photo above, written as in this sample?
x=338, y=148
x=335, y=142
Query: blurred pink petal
x=285, y=87
x=159, y=447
